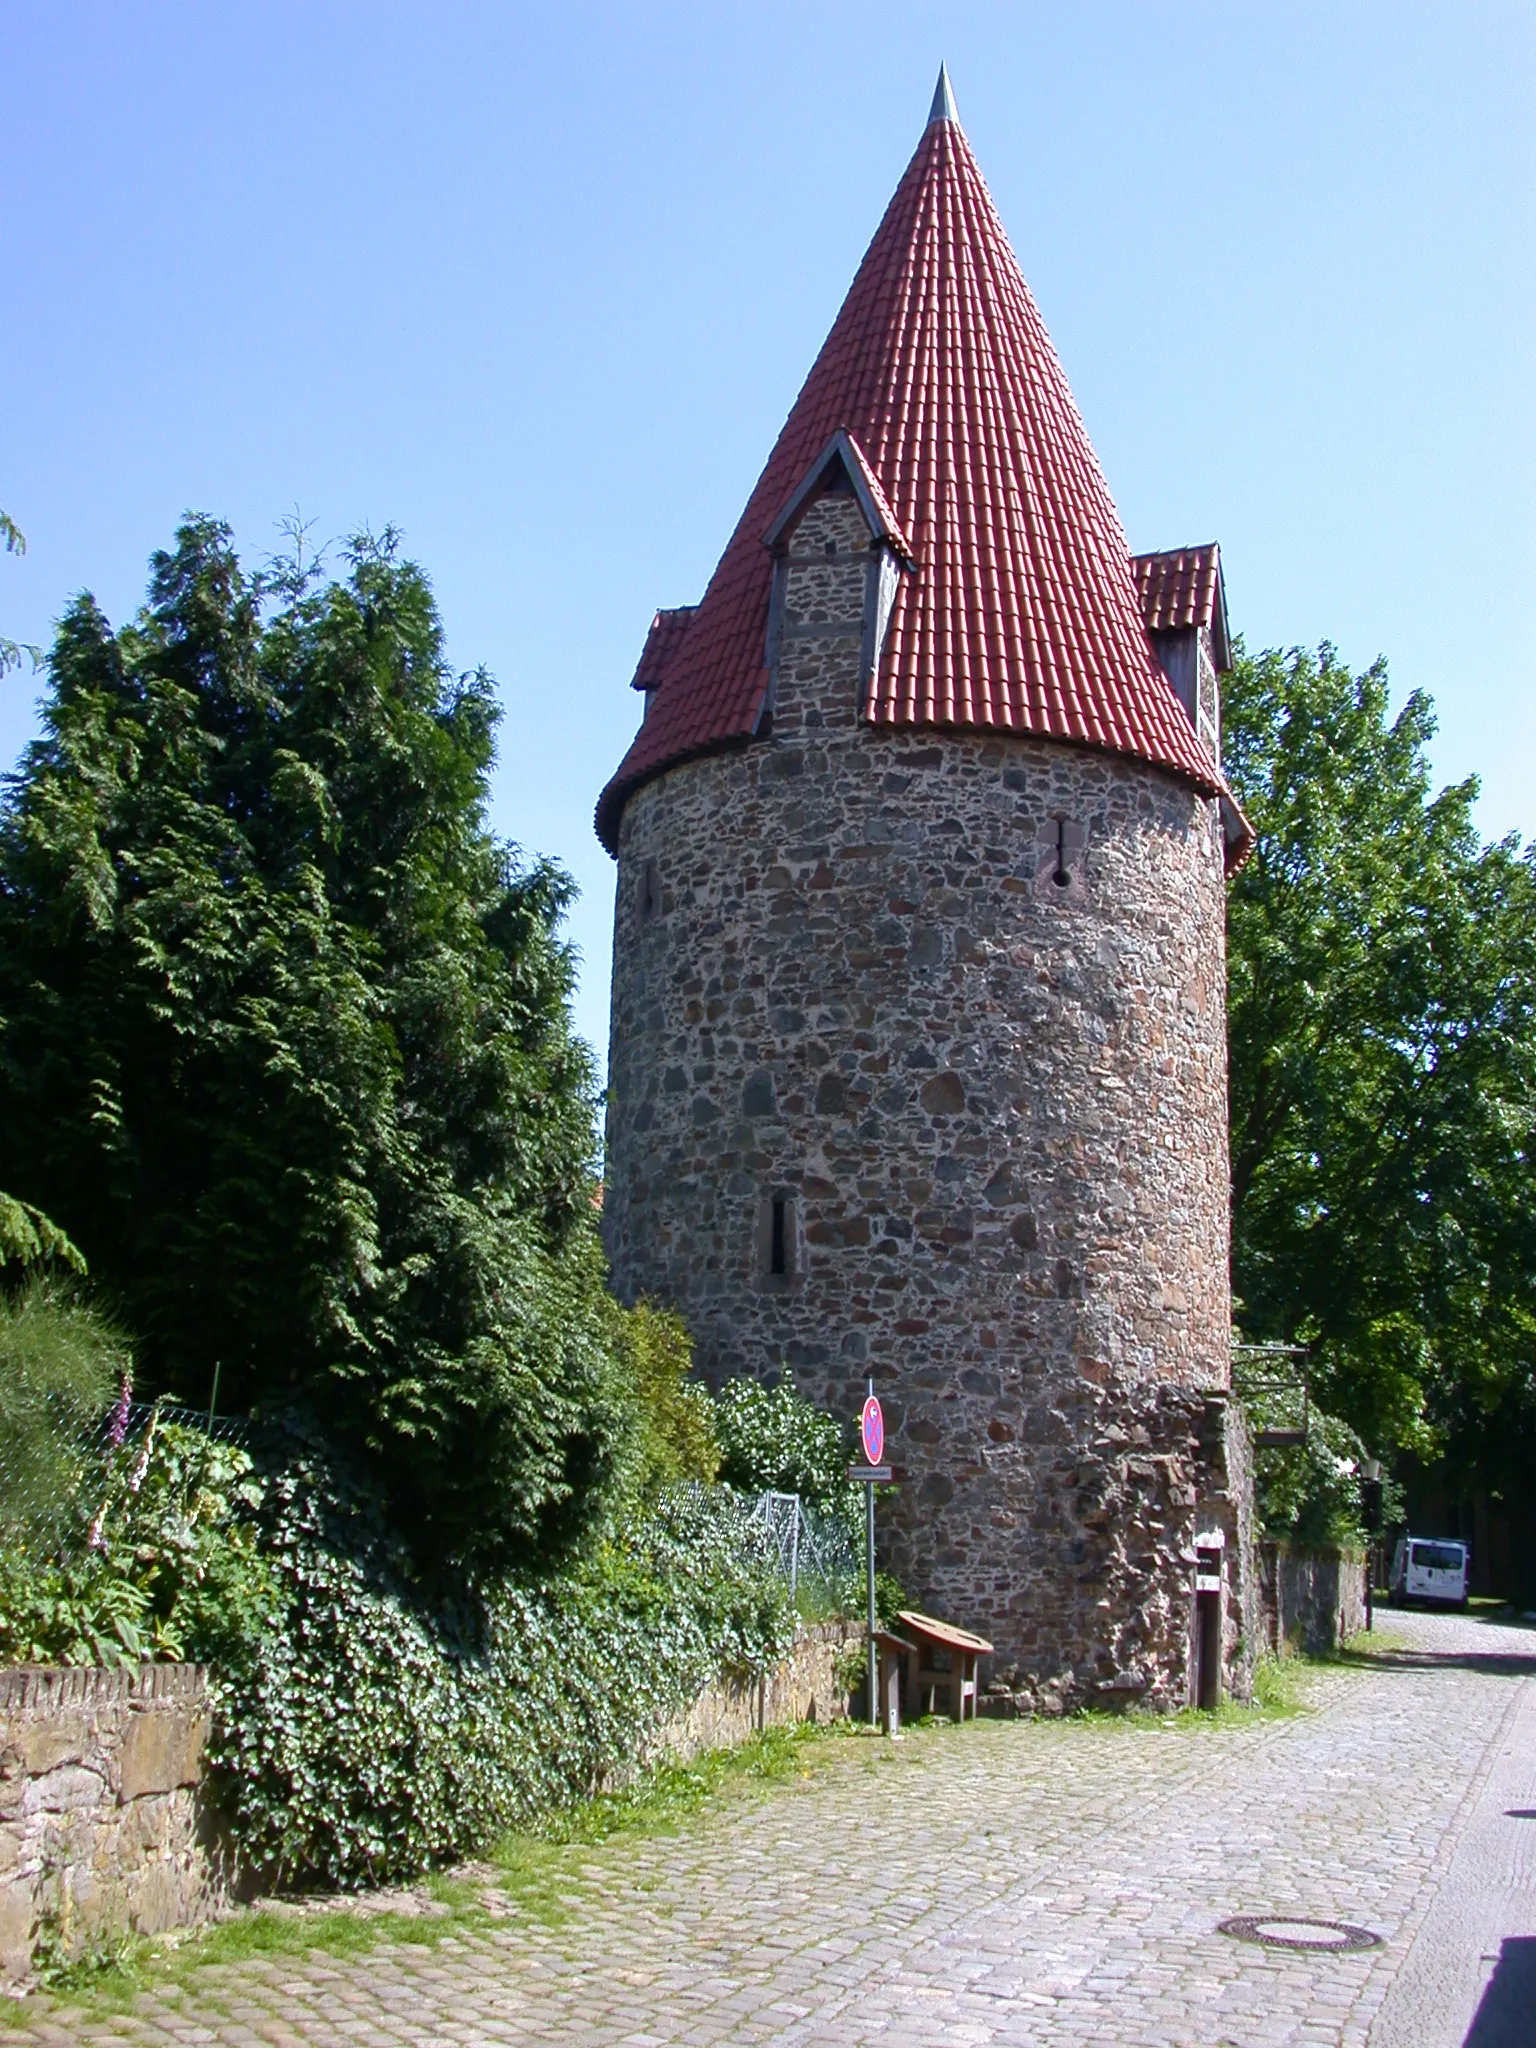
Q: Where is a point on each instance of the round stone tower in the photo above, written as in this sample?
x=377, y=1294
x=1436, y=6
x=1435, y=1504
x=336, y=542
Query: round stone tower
x=918, y=1053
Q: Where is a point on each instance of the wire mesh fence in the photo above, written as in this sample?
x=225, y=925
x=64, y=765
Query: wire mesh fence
x=815, y=1552
x=53, y=1471
x=55, y=1475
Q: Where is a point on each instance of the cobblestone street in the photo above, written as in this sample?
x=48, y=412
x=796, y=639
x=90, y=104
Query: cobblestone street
x=1058, y=1883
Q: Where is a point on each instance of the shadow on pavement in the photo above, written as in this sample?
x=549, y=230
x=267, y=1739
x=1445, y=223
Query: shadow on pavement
x=1491, y=1663
x=1506, y=2013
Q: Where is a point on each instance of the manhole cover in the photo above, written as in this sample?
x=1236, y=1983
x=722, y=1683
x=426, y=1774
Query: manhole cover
x=1279, y=1930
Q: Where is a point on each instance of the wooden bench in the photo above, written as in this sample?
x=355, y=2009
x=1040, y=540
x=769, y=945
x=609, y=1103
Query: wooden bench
x=941, y=1659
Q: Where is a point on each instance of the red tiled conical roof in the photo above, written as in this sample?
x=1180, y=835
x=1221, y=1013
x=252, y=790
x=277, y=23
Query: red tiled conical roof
x=1021, y=613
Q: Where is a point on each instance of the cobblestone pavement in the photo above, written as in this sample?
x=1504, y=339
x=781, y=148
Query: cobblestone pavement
x=1052, y=1883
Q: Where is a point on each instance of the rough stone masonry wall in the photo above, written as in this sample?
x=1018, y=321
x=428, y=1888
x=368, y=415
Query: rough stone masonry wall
x=1311, y=1600
x=995, y=1107
x=98, y=1820
x=801, y=1687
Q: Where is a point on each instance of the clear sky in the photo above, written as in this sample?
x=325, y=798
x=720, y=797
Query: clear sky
x=538, y=284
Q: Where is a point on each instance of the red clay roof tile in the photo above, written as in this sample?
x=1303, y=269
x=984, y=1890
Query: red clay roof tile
x=1022, y=612
x=1183, y=587
x=661, y=646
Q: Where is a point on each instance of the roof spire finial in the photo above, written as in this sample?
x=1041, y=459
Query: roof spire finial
x=943, y=108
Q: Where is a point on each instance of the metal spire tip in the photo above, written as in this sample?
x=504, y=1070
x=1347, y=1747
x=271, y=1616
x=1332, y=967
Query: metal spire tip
x=943, y=108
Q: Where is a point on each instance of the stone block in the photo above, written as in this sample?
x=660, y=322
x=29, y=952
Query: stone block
x=160, y=1751
x=98, y=1804
x=68, y=1788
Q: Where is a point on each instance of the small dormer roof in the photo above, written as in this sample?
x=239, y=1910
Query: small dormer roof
x=842, y=453
x=1184, y=587
x=662, y=645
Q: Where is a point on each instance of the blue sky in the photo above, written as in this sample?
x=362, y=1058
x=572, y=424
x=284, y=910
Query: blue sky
x=538, y=285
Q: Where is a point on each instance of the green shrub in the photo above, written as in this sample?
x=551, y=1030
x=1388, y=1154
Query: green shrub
x=774, y=1438
x=159, y=1561
x=60, y=1364
x=672, y=1438
x=1309, y=1494
x=383, y=1728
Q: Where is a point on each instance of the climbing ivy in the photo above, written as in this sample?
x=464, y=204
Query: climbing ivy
x=382, y=1728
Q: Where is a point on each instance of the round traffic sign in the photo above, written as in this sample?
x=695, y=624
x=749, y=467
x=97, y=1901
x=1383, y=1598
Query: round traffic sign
x=872, y=1429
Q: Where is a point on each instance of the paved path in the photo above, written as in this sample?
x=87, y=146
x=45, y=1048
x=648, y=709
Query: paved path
x=1042, y=1883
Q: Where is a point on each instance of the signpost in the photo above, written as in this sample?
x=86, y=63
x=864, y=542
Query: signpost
x=871, y=1474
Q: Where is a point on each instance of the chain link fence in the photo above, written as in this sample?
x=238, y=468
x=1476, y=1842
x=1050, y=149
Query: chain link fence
x=52, y=1473
x=815, y=1551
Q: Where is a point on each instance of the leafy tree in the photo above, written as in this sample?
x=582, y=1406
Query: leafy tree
x=672, y=1440
x=28, y=1237
x=285, y=1041
x=775, y=1439
x=1382, y=1015
x=14, y=541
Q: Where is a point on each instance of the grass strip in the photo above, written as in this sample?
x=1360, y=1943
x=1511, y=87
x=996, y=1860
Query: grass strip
x=533, y=1873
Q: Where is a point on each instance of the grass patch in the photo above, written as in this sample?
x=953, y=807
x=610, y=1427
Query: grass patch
x=533, y=1874
x=109, y=1977
x=1279, y=1692
x=536, y=1870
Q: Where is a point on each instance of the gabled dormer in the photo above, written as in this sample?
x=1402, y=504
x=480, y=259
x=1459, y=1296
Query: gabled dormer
x=838, y=555
x=1184, y=607
x=663, y=644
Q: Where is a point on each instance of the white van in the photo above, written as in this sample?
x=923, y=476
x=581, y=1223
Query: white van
x=1425, y=1568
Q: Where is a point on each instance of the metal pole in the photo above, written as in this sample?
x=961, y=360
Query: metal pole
x=869, y=1550
x=869, y=1530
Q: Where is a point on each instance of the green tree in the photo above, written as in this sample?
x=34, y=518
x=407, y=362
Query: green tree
x=285, y=1041
x=27, y=1236
x=1382, y=1016
x=14, y=541
x=672, y=1436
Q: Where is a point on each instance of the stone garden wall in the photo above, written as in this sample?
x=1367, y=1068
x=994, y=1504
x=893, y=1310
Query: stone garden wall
x=803, y=1688
x=98, y=1806
x=1311, y=1599
x=100, y=1829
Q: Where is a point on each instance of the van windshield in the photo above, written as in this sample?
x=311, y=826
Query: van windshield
x=1438, y=1557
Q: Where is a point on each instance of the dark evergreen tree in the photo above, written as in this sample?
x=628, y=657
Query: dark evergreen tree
x=285, y=1042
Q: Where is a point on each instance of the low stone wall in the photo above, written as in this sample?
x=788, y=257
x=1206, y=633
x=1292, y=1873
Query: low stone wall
x=98, y=1806
x=100, y=1830
x=803, y=1688
x=1311, y=1599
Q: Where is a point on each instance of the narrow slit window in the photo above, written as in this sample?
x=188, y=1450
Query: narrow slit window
x=778, y=1238
x=1062, y=877
x=650, y=891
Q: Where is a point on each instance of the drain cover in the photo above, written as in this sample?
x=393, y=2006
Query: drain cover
x=1319, y=1937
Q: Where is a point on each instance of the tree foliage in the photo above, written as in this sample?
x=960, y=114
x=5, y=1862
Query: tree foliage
x=14, y=542
x=1382, y=1014
x=285, y=1043
x=672, y=1433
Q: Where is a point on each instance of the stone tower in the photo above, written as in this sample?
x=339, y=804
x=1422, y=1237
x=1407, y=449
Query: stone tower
x=918, y=1053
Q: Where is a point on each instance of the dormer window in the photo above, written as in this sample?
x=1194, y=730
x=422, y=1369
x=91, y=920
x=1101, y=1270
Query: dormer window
x=839, y=470
x=1184, y=607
